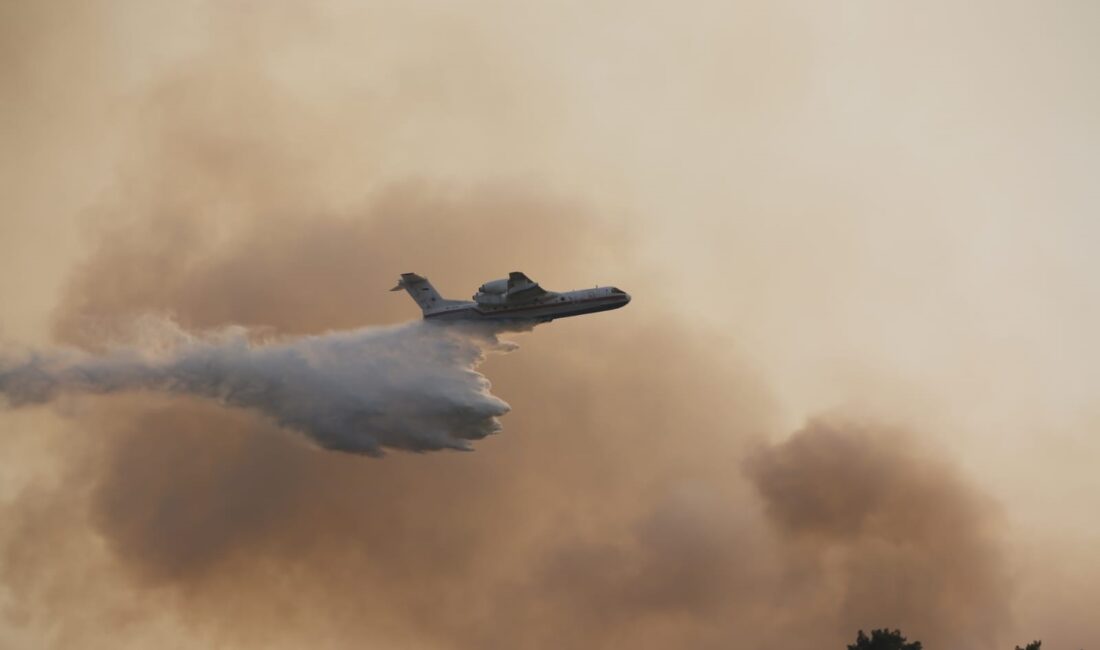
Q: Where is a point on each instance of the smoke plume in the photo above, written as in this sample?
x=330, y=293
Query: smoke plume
x=412, y=387
x=883, y=522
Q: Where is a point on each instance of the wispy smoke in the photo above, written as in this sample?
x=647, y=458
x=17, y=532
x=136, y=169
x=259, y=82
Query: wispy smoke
x=411, y=387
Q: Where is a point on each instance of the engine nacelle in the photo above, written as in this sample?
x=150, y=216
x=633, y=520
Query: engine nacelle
x=517, y=288
x=496, y=286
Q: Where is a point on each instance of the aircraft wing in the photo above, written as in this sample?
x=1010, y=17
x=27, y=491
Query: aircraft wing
x=523, y=286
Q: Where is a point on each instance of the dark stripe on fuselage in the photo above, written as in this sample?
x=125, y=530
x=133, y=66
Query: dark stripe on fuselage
x=557, y=310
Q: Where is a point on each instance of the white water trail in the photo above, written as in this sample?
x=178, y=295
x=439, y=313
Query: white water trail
x=413, y=387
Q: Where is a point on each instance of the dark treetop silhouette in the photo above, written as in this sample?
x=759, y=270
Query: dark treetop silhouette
x=886, y=639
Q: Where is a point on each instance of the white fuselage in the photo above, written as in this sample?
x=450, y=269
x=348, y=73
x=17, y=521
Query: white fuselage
x=542, y=309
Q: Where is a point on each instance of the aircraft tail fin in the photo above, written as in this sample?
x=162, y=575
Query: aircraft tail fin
x=421, y=291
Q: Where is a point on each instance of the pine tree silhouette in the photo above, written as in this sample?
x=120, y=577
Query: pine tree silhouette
x=884, y=640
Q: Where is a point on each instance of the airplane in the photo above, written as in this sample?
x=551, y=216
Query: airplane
x=515, y=298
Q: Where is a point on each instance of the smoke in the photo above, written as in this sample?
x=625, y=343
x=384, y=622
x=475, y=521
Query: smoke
x=412, y=387
x=635, y=502
x=900, y=534
x=277, y=171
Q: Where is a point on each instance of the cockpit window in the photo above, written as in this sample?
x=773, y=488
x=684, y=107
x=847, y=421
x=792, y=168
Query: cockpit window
x=616, y=290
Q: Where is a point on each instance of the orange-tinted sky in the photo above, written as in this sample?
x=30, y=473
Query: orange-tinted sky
x=868, y=222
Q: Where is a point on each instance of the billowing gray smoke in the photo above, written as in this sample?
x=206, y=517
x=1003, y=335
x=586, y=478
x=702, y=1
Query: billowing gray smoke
x=413, y=386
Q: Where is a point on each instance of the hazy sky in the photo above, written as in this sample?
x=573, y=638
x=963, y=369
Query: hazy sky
x=871, y=222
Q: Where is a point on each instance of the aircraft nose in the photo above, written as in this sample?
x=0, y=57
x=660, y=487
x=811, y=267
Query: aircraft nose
x=626, y=298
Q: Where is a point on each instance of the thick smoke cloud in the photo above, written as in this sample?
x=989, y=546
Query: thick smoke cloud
x=412, y=387
x=617, y=511
x=894, y=520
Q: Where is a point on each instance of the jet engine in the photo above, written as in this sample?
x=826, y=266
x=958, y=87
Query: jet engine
x=496, y=286
x=517, y=288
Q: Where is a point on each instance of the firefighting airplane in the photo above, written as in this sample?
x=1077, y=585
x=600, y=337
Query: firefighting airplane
x=516, y=298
